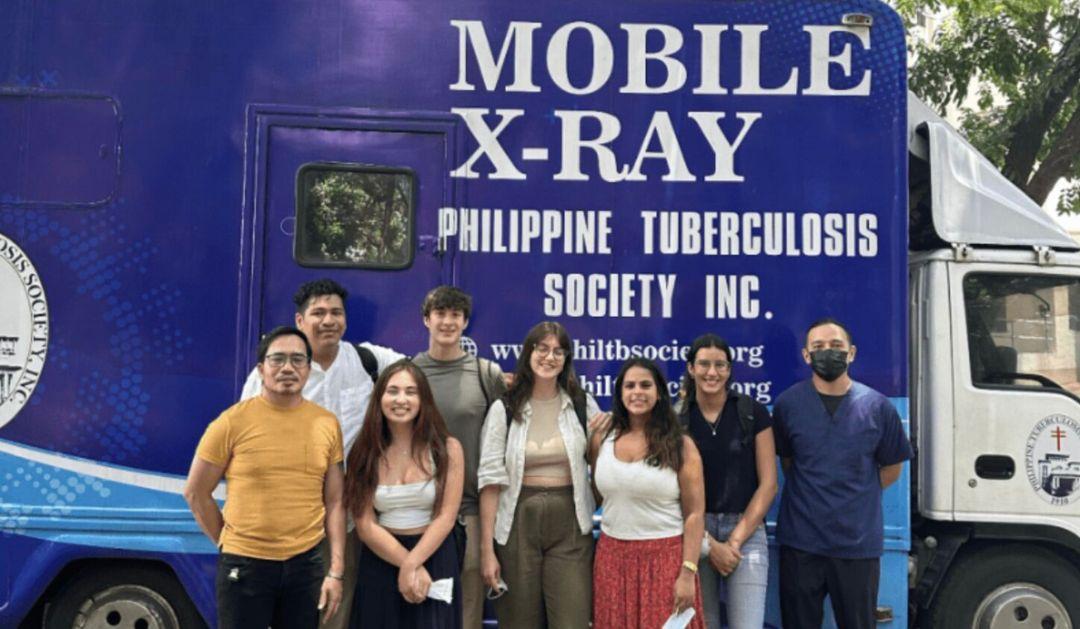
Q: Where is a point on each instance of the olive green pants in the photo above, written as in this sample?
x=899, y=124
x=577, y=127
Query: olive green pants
x=546, y=563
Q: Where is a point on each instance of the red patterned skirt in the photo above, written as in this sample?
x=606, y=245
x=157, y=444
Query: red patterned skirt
x=634, y=583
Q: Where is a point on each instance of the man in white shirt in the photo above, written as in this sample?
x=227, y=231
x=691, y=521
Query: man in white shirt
x=339, y=381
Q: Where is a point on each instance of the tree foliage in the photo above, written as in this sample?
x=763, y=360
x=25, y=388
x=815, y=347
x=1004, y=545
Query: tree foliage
x=357, y=217
x=1012, y=69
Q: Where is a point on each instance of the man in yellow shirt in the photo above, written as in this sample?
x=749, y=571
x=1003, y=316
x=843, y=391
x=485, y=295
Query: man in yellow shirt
x=281, y=457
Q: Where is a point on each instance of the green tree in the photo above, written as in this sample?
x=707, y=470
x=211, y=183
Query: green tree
x=357, y=217
x=1020, y=59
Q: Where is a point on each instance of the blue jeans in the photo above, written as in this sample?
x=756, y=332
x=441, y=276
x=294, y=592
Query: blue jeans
x=744, y=588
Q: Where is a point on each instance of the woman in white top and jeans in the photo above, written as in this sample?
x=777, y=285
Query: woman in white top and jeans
x=404, y=490
x=536, y=504
x=649, y=475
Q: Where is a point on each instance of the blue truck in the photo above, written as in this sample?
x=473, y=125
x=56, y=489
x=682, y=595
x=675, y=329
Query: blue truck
x=641, y=171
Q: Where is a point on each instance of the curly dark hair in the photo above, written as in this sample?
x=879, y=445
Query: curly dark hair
x=317, y=288
x=447, y=298
x=663, y=432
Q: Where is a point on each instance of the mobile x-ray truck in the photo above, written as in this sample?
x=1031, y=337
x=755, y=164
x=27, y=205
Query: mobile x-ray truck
x=641, y=171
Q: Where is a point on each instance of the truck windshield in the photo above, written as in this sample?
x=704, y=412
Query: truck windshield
x=1023, y=330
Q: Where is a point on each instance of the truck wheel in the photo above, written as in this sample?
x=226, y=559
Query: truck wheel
x=125, y=598
x=1013, y=586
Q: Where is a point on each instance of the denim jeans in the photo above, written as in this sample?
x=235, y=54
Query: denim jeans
x=253, y=593
x=744, y=589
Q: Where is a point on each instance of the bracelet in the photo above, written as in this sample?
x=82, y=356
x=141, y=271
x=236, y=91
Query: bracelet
x=339, y=577
x=691, y=566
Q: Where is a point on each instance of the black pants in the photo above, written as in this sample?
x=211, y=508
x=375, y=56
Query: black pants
x=805, y=579
x=256, y=593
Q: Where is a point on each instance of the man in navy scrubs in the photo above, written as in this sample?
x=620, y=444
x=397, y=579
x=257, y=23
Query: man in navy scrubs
x=841, y=443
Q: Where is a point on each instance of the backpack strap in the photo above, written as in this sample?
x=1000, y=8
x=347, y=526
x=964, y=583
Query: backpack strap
x=483, y=387
x=682, y=411
x=581, y=409
x=371, y=364
x=744, y=405
x=505, y=399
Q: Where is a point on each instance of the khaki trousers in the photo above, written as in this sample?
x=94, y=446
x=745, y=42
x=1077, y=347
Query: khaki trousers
x=472, y=586
x=340, y=620
x=546, y=563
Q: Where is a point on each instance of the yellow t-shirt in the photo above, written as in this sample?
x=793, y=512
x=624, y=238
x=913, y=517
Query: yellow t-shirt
x=275, y=462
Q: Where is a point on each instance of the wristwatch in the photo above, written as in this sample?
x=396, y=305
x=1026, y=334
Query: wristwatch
x=691, y=566
x=331, y=575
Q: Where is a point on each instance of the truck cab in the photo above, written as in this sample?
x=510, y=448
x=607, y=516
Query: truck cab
x=995, y=377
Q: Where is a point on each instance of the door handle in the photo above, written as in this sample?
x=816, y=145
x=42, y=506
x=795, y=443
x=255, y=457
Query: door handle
x=995, y=467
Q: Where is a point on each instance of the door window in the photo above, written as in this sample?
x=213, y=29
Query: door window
x=1023, y=330
x=354, y=216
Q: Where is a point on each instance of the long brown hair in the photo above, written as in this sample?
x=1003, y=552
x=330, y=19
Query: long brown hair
x=521, y=390
x=429, y=435
x=663, y=432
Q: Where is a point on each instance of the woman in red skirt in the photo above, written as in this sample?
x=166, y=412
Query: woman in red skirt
x=650, y=478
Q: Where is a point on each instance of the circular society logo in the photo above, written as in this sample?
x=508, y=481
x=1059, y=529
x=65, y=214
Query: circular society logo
x=1053, y=459
x=24, y=328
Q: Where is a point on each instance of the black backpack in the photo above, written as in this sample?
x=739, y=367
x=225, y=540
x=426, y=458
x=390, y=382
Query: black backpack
x=744, y=406
x=371, y=364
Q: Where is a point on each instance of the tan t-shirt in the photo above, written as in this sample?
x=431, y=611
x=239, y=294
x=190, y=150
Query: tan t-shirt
x=275, y=462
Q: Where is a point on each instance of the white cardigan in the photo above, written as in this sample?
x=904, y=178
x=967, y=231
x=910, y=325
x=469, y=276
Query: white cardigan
x=502, y=460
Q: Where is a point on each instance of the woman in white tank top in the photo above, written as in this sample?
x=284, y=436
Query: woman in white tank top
x=403, y=488
x=650, y=477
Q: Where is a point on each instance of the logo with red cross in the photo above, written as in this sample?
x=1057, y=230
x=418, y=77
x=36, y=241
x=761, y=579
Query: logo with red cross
x=1053, y=459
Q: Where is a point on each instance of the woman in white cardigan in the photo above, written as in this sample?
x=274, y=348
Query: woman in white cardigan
x=536, y=501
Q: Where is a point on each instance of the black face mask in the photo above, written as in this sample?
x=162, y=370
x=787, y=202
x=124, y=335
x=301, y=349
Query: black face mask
x=829, y=364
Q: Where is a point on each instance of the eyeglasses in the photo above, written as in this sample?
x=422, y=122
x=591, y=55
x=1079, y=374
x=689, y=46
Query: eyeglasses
x=544, y=351
x=705, y=365
x=277, y=361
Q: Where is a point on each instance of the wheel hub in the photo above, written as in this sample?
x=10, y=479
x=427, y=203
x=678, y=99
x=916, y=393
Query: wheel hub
x=126, y=607
x=1021, y=605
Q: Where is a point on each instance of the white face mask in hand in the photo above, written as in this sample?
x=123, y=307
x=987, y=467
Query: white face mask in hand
x=680, y=620
x=442, y=590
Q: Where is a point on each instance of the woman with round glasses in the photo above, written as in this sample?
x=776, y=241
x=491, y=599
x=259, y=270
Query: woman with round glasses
x=404, y=485
x=649, y=475
x=733, y=432
x=536, y=503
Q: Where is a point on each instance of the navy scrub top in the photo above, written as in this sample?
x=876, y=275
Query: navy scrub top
x=831, y=504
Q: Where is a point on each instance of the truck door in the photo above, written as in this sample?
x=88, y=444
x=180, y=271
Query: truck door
x=1017, y=414
x=355, y=199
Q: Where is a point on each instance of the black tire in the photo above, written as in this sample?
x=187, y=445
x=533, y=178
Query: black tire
x=1015, y=586
x=125, y=597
